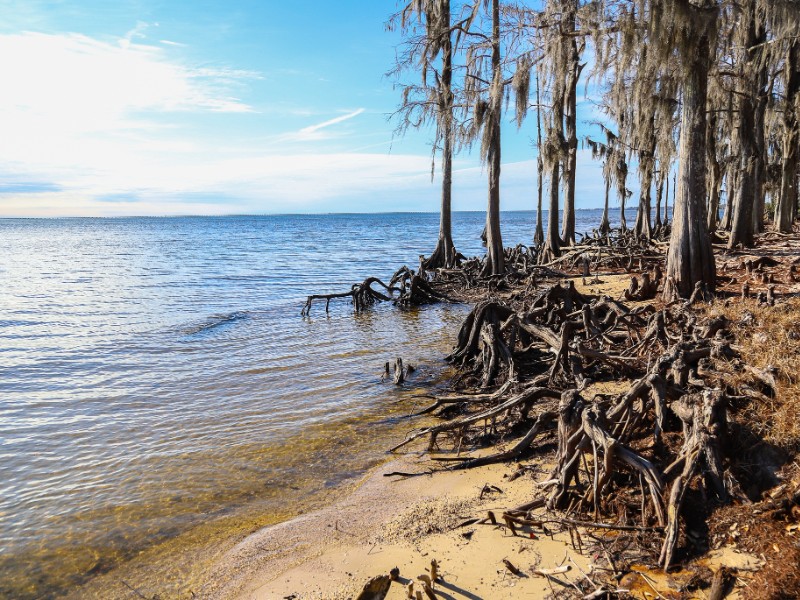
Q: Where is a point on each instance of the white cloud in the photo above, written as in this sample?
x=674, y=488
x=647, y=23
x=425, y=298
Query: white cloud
x=266, y=183
x=328, y=123
x=88, y=128
x=89, y=120
x=60, y=85
x=76, y=111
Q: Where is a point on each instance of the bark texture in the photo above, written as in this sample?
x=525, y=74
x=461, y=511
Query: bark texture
x=690, y=259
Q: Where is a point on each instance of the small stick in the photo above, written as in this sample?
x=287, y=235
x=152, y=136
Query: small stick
x=510, y=524
x=512, y=568
x=553, y=571
x=601, y=591
x=582, y=572
x=521, y=521
x=404, y=474
x=649, y=582
x=591, y=524
x=719, y=585
x=133, y=589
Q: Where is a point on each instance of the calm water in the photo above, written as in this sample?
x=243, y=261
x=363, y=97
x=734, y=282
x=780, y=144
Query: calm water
x=155, y=373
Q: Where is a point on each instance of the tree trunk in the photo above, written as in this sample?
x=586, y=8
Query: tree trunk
x=714, y=175
x=605, y=226
x=622, y=191
x=659, y=195
x=571, y=123
x=538, y=237
x=732, y=172
x=643, y=227
x=714, y=194
x=552, y=247
x=553, y=241
x=495, y=263
x=745, y=203
x=444, y=255
x=761, y=150
x=787, y=199
x=742, y=223
x=647, y=161
x=691, y=259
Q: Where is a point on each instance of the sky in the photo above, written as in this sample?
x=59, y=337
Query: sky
x=169, y=107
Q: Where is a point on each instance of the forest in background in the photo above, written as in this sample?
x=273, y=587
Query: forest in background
x=706, y=89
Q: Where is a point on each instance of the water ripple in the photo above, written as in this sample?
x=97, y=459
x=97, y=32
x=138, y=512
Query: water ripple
x=156, y=371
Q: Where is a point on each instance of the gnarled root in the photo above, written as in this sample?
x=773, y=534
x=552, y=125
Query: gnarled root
x=362, y=295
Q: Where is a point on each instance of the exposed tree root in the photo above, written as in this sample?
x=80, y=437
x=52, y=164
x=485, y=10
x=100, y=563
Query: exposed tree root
x=405, y=289
x=361, y=294
x=529, y=354
x=656, y=441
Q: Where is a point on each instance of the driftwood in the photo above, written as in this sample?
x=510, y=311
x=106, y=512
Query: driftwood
x=399, y=371
x=648, y=288
x=511, y=568
x=427, y=586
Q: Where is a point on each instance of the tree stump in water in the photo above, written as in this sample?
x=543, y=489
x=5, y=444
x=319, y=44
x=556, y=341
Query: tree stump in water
x=399, y=372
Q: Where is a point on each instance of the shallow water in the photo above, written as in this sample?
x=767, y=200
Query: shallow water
x=156, y=372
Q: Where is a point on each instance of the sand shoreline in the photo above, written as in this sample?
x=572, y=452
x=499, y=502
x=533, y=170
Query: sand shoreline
x=403, y=522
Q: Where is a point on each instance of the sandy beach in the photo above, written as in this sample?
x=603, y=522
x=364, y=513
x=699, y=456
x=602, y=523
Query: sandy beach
x=402, y=522
x=406, y=522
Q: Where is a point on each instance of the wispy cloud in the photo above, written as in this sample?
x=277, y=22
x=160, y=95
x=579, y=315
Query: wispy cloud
x=72, y=83
x=135, y=33
x=26, y=187
x=314, y=128
x=189, y=183
x=92, y=126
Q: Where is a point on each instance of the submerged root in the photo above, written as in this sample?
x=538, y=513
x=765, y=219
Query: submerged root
x=361, y=294
x=405, y=289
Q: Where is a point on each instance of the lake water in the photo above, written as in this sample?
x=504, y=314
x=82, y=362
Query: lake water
x=156, y=375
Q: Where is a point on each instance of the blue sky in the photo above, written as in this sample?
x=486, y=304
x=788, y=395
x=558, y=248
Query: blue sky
x=147, y=107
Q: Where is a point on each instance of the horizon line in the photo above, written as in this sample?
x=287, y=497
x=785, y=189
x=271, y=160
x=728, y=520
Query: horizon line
x=299, y=214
